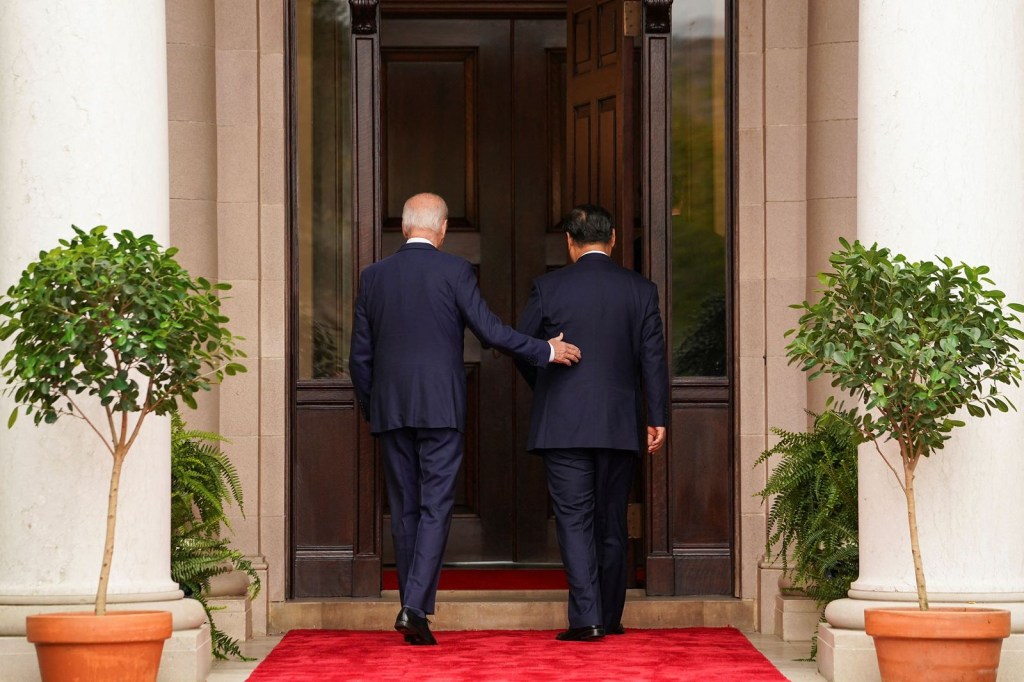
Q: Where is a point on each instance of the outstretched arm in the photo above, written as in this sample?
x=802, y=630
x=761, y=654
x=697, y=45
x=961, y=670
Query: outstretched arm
x=493, y=332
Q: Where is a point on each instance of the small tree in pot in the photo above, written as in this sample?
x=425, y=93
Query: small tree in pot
x=118, y=324
x=915, y=343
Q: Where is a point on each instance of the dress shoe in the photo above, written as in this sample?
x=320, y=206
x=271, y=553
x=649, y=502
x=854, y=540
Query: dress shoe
x=616, y=629
x=416, y=629
x=587, y=633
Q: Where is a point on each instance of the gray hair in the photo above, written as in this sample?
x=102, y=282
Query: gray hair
x=424, y=212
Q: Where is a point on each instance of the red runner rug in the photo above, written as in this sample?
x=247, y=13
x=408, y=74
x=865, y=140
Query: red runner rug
x=491, y=579
x=689, y=654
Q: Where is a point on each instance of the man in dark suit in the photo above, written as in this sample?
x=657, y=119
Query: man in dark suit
x=587, y=423
x=406, y=365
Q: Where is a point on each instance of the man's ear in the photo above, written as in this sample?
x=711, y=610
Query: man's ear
x=611, y=244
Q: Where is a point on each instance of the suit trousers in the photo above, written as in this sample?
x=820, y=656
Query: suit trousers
x=420, y=466
x=590, y=494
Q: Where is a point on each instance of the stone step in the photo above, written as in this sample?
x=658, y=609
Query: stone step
x=509, y=610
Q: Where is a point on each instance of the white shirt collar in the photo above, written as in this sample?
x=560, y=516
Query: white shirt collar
x=418, y=240
x=587, y=253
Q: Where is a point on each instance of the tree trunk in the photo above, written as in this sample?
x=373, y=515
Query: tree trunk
x=915, y=545
x=108, y=543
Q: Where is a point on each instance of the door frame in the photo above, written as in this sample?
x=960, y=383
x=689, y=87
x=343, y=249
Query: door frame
x=349, y=564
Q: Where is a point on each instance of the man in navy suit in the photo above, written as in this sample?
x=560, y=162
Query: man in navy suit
x=587, y=423
x=406, y=365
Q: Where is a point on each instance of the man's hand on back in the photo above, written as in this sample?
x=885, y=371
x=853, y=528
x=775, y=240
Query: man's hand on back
x=565, y=353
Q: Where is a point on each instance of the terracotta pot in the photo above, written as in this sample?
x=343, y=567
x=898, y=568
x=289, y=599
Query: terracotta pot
x=942, y=643
x=84, y=647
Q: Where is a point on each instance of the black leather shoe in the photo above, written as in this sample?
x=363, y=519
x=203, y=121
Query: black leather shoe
x=616, y=629
x=587, y=633
x=415, y=628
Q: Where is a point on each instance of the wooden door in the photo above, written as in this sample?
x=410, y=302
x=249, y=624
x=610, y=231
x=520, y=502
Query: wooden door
x=600, y=113
x=497, y=104
x=454, y=122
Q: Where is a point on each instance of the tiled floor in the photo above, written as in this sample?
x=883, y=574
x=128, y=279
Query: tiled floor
x=782, y=654
x=785, y=656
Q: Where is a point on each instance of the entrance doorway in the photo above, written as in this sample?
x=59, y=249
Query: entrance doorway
x=493, y=106
x=471, y=110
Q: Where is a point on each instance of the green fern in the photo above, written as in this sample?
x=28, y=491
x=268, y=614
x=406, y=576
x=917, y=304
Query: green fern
x=812, y=522
x=203, y=481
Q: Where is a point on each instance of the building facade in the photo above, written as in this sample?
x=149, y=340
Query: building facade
x=723, y=134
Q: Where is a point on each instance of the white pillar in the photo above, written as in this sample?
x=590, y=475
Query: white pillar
x=83, y=140
x=940, y=172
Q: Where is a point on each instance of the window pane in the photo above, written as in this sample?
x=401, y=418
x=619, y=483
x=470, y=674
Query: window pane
x=324, y=187
x=698, y=188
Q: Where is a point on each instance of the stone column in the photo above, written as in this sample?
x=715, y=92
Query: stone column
x=83, y=134
x=831, y=146
x=940, y=171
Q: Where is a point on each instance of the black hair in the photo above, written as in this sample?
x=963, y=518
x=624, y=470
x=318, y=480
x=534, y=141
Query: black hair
x=589, y=224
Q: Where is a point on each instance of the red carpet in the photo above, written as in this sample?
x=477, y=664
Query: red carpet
x=690, y=654
x=491, y=579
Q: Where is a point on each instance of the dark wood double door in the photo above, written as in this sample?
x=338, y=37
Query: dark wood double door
x=470, y=112
x=475, y=110
x=512, y=120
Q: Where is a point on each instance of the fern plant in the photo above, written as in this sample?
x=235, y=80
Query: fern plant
x=203, y=481
x=812, y=522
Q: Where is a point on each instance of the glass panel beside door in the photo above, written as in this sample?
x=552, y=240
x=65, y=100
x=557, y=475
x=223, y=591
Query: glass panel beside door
x=699, y=209
x=324, y=150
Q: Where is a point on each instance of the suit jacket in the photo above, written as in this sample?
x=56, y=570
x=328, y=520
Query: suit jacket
x=408, y=334
x=612, y=314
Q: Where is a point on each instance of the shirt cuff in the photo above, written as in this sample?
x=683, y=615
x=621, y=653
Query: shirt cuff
x=551, y=355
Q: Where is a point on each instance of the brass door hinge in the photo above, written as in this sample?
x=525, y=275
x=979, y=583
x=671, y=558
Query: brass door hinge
x=631, y=18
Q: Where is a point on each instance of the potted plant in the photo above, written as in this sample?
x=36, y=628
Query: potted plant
x=917, y=344
x=203, y=483
x=812, y=518
x=122, y=326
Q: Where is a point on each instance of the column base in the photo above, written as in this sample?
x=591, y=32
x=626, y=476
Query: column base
x=232, y=609
x=769, y=574
x=261, y=604
x=796, y=618
x=186, y=657
x=187, y=654
x=847, y=654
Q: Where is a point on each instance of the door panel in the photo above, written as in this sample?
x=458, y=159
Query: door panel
x=601, y=103
x=451, y=125
x=600, y=90
x=701, y=483
x=430, y=111
x=539, y=161
x=506, y=123
x=324, y=542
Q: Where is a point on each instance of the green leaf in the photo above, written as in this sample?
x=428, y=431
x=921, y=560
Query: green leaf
x=916, y=340
x=88, y=314
x=811, y=494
